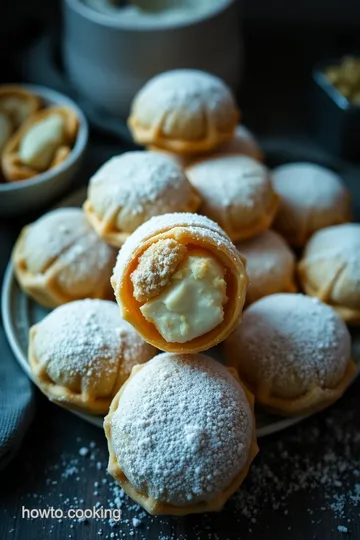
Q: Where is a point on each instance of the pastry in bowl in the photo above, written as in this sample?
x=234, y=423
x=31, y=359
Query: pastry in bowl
x=82, y=352
x=59, y=258
x=180, y=282
x=293, y=353
x=236, y=192
x=181, y=434
x=130, y=188
x=311, y=198
x=41, y=143
x=18, y=104
x=330, y=269
x=183, y=111
x=270, y=265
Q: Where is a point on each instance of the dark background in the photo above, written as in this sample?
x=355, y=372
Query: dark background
x=305, y=483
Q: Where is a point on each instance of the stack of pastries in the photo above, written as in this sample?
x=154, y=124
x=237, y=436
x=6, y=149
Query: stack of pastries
x=187, y=225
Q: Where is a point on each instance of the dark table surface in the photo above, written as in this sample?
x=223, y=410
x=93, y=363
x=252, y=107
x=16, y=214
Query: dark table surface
x=305, y=482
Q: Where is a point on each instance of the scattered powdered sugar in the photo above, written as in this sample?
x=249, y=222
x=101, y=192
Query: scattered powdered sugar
x=183, y=94
x=308, y=185
x=86, y=343
x=183, y=429
x=306, y=478
x=138, y=185
x=270, y=263
x=292, y=341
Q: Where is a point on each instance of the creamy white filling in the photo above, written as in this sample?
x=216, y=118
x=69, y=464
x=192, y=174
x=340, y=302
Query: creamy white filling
x=38, y=145
x=192, y=303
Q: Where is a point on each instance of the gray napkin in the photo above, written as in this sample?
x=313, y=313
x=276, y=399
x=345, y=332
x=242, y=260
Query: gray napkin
x=17, y=404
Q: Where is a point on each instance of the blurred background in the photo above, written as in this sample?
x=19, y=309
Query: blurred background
x=267, y=51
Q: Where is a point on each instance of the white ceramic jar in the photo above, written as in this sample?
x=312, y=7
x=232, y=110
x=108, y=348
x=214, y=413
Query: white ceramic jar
x=108, y=58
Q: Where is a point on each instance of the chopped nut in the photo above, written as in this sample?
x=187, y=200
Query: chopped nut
x=345, y=77
x=156, y=267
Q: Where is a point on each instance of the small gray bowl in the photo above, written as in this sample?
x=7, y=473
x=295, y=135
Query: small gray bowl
x=24, y=196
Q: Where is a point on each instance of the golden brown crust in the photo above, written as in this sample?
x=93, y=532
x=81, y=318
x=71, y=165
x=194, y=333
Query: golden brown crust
x=59, y=394
x=160, y=508
x=155, y=136
x=315, y=400
x=13, y=168
x=43, y=287
x=236, y=193
x=349, y=315
x=106, y=228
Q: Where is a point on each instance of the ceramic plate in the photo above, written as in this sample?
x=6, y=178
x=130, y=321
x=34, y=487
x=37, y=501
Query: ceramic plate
x=20, y=312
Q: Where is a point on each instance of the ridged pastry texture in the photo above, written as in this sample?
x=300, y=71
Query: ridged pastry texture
x=293, y=352
x=183, y=111
x=311, y=198
x=81, y=354
x=243, y=143
x=330, y=269
x=59, y=258
x=131, y=188
x=236, y=192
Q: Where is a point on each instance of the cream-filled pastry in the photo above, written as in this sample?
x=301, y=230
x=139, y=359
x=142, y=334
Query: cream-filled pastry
x=83, y=352
x=41, y=143
x=293, y=352
x=330, y=269
x=180, y=282
x=130, y=188
x=183, y=111
x=270, y=265
x=181, y=434
x=59, y=258
x=311, y=198
x=236, y=192
x=192, y=302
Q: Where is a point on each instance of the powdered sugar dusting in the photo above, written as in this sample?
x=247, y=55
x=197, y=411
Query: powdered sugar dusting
x=87, y=340
x=340, y=242
x=183, y=429
x=269, y=263
x=138, y=185
x=307, y=185
x=235, y=189
x=50, y=235
x=188, y=92
x=293, y=342
x=63, y=242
